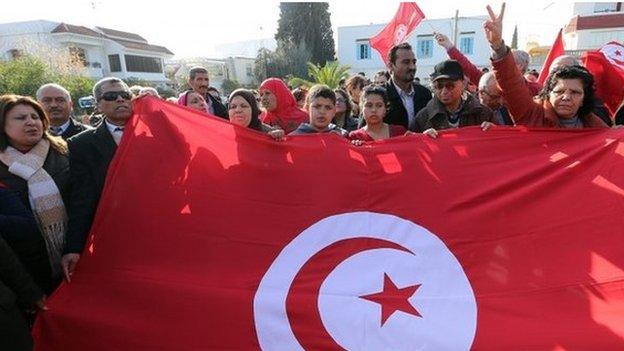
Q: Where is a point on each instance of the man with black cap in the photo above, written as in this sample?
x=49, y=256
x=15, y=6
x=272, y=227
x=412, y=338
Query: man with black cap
x=451, y=106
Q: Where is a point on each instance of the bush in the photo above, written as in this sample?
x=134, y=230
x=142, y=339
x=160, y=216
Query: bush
x=23, y=76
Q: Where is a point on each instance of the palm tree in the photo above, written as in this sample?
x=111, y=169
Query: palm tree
x=329, y=75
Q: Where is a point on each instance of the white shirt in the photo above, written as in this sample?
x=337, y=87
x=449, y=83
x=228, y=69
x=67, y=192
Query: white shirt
x=408, y=103
x=116, y=131
x=61, y=129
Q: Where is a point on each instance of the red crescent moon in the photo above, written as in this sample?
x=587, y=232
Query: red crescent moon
x=302, y=299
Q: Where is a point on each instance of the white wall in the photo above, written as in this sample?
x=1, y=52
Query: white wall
x=349, y=36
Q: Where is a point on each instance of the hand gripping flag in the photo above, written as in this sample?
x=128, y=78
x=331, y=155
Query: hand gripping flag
x=406, y=19
x=210, y=236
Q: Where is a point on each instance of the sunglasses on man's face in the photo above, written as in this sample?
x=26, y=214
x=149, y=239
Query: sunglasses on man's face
x=449, y=85
x=113, y=95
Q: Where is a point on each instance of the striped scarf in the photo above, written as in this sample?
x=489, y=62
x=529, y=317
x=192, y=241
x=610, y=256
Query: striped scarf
x=44, y=196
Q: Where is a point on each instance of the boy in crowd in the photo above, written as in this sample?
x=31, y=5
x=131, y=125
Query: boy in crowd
x=321, y=109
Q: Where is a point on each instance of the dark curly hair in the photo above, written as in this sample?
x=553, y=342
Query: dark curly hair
x=573, y=72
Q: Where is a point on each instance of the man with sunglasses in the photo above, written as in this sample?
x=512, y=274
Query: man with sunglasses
x=451, y=106
x=90, y=154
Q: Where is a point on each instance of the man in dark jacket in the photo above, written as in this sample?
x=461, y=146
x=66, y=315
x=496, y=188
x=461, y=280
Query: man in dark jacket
x=57, y=103
x=405, y=97
x=90, y=154
x=451, y=107
x=199, y=82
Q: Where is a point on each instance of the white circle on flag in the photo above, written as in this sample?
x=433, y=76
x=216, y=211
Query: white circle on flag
x=614, y=52
x=444, y=299
x=400, y=34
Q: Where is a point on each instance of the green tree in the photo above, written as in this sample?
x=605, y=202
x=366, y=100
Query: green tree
x=514, y=38
x=229, y=86
x=287, y=60
x=23, y=76
x=308, y=23
x=329, y=75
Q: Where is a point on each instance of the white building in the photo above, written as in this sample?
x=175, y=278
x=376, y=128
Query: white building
x=353, y=46
x=102, y=51
x=593, y=25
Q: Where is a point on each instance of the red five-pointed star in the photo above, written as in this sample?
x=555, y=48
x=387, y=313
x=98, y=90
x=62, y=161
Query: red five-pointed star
x=618, y=53
x=393, y=299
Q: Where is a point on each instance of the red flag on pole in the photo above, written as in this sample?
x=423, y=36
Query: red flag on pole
x=607, y=66
x=210, y=236
x=555, y=51
x=406, y=19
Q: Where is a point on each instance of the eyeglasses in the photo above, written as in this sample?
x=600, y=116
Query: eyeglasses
x=449, y=85
x=492, y=96
x=113, y=95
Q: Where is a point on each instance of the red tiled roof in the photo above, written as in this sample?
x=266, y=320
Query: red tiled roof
x=143, y=46
x=70, y=28
x=595, y=22
x=120, y=34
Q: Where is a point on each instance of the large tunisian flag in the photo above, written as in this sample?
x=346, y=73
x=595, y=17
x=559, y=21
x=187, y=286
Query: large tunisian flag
x=214, y=237
x=406, y=19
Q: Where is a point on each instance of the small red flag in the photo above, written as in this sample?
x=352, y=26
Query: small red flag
x=555, y=51
x=406, y=19
x=607, y=66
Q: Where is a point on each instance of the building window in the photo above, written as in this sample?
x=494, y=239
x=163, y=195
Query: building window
x=363, y=50
x=602, y=7
x=114, y=63
x=466, y=45
x=77, y=56
x=249, y=70
x=424, y=48
x=143, y=64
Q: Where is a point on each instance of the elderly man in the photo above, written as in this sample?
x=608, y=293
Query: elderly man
x=474, y=73
x=405, y=97
x=200, y=82
x=490, y=95
x=90, y=154
x=451, y=107
x=57, y=103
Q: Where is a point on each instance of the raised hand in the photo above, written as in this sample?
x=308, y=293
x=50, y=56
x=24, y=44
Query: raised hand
x=494, y=27
x=443, y=40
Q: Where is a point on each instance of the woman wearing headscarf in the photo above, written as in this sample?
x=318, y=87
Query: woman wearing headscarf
x=243, y=111
x=280, y=106
x=34, y=165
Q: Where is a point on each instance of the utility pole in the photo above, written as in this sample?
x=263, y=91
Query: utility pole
x=455, y=29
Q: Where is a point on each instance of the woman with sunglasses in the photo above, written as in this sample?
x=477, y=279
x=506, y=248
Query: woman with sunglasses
x=35, y=166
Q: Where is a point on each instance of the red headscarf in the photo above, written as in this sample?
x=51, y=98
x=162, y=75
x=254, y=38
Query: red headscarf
x=287, y=115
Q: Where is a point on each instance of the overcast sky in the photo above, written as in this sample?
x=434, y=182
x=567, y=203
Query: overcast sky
x=194, y=28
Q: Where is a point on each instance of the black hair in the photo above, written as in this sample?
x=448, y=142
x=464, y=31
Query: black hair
x=375, y=90
x=573, y=72
x=323, y=91
x=392, y=55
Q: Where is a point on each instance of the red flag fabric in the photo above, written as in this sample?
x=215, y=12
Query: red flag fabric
x=555, y=51
x=214, y=237
x=406, y=19
x=607, y=66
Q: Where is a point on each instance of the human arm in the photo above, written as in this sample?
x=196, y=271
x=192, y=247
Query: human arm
x=470, y=70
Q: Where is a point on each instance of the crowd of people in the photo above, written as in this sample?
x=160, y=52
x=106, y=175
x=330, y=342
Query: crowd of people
x=53, y=168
